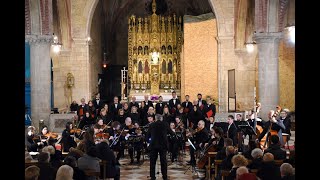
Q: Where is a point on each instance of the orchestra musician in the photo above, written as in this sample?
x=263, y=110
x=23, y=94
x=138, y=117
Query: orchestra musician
x=46, y=134
x=87, y=120
x=216, y=138
x=33, y=141
x=67, y=138
x=197, y=137
x=272, y=127
x=183, y=116
x=285, y=119
x=232, y=130
x=115, y=137
x=99, y=127
x=210, y=123
x=174, y=142
x=135, y=142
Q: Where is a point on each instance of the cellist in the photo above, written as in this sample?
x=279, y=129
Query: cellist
x=272, y=127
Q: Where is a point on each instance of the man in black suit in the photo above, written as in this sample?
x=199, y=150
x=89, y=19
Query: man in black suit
x=157, y=133
x=201, y=102
x=115, y=106
x=98, y=103
x=133, y=103
x=148, y=103
x=187, y=105
x=285, y=119
x=232, y=130
x=173, y=103
x=160, y=105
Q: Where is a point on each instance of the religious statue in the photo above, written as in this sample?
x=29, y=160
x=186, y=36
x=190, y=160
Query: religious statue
x=68, y=88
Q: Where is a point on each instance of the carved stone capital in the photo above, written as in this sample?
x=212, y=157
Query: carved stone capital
x=267, y=37
x=35, y=39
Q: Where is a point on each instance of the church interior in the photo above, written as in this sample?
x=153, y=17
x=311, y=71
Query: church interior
x=102, y=77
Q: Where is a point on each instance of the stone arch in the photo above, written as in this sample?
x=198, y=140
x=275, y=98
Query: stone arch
x=89, y=12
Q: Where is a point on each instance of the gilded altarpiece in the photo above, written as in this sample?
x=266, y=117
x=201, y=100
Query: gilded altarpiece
x=154, y=47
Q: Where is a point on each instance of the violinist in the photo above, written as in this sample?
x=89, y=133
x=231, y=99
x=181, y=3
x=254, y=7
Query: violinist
x=114, y=138
x=99, y=128
x=199, y=136
x=33, y=141
x=131, y=138
x=272, y=127
x=173, y=142
x=67, y=138
x=46, y=134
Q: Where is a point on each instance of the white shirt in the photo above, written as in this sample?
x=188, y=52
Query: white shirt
x=174, y=101
x=116, y=105
x=200, y=102
x=187, y=104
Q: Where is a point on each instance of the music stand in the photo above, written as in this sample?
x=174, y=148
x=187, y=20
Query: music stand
x=192, y=166
x=247, y=129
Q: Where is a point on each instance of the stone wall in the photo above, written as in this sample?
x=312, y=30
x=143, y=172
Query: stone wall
x=287, y=74
x=199, y=64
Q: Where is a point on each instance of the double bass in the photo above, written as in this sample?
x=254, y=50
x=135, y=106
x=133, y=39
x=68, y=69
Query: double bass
x=205, y=154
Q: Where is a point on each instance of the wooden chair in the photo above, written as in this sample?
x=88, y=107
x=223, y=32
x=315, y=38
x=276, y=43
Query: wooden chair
x=224, y=173
x=216, y=165
x=89, y=172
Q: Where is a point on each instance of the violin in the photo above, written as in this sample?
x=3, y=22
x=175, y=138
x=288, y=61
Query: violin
x=51, y=135
x=102, y=135
x=75, y=130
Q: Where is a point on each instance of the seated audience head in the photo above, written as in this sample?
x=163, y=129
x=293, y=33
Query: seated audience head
x=230, y=150
x=256, y=153
x=274, y=139
x=71, y=161
x=65, y=172
x=44, y=157
x=268, y=157
x=239, y=160
x=228, y=142
x=286, y=169
x=50, y=149
x=32, y=173
x=241, y=170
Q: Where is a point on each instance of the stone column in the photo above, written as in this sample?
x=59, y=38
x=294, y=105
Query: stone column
x=40, y=72
x=268, y=70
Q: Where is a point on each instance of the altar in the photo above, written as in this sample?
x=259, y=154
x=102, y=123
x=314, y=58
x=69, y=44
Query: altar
x=154, y=50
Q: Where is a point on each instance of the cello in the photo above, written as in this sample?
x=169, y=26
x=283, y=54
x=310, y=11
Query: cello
x=205, y=154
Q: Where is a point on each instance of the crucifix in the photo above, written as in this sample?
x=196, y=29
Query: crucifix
x=124, y=74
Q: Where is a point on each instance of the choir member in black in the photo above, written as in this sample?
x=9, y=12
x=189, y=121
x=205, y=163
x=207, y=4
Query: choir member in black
x=167, y=116
x=105, y=117
x=82, y=109
x=210, y=108
x=200, y=135
x=201, y=102
x=33, y=141
x=173, y=103
x=115, y=138
x=187, y=105
x=74, y=106
x=98, y=103
x=160, y=105
x=194, y=116
x=183, y=116
x=115, y=106
x=157, y=132
x=150, y=112
x=120, y=117
x=87, y=120
x=134, y=115
x=232, y=130
x=126, y=109
x=147, y=102
x=133, y=103
x=143, y=112
x=273, y=125
x=92, y=110
x=67, y=139
x=286, y=122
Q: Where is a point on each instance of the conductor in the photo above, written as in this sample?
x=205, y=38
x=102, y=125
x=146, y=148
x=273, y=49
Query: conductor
x=157, y=134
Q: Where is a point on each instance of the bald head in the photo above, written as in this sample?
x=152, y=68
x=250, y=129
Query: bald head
x=267, y=157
